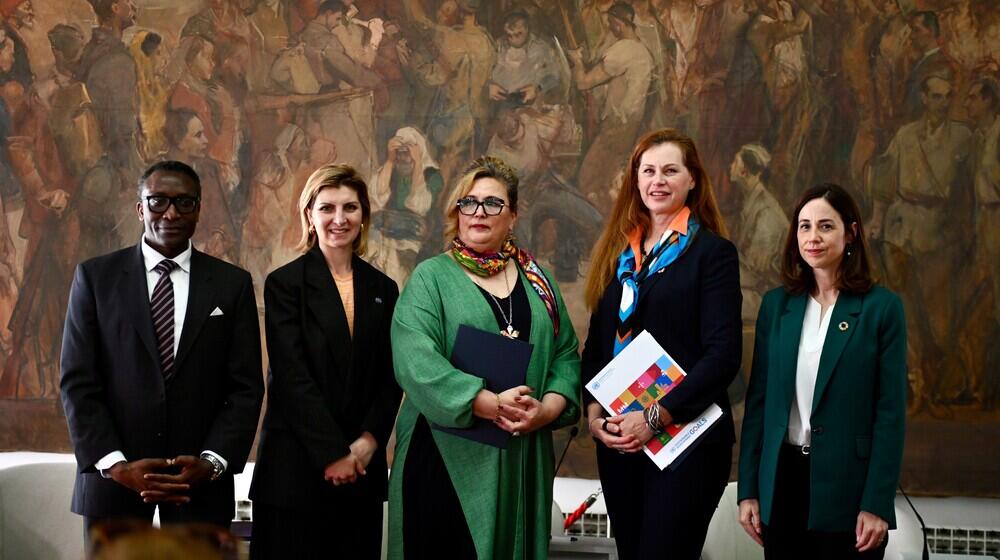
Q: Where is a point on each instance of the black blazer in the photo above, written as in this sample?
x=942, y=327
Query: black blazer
x=692, y=308
x=324, y=389
x=113, y=390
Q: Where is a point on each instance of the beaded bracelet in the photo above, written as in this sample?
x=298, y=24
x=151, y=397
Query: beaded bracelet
x=497, y=395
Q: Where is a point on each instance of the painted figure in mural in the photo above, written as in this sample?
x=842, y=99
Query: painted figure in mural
x=889, y=67
x=625, y=70
x=19, y=16
x=464, y=58
x=271, y=19
x=981, y=382
x=9, y=273
x=186, y=135
x=234, y=39
x=154, y=91
x=405, y=206
x=830, y=343
x=485, y=502
x=931, y=59
x=71, y=115
x=776, y=37
x=320, y=481
x=336, y=70
x=526, y=67
x=662, y=265
x=161, y=413
x=107, y=69
x=761, y=227
x=272, y=202
x=922, y=207
x=50, y=227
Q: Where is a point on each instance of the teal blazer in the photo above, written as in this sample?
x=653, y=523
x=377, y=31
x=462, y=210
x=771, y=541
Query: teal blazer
x=858, y=409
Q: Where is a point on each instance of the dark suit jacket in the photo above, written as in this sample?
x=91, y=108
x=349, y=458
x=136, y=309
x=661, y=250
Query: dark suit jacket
x=858, y=409
x=324, y=388
x=692, y=308
x=113, y=390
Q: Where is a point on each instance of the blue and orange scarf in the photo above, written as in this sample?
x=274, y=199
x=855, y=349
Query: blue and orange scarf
x=632, y=270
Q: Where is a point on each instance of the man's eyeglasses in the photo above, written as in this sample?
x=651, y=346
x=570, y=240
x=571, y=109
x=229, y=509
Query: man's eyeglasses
x=492, y=206
x=183, y=204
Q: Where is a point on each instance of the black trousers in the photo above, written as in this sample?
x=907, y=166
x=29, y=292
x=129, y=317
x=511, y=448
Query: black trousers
x=787, y=536
x=649, y=507
x=351, y=530
x=434, y=524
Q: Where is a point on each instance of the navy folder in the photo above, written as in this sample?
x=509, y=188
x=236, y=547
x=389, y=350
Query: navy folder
x=502, y=362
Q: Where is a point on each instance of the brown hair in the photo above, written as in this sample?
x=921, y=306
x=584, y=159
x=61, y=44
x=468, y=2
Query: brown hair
x=480, y=168
x=855, y=274
x=629, y=211
x=334, y=176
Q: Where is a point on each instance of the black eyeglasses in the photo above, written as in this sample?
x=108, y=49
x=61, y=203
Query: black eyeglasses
x=183, y=204
x=491, y=206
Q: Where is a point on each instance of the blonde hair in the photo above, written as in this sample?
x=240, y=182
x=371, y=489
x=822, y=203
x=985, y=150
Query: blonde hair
x=334, y=176
x=630, y=212
x=479, y=168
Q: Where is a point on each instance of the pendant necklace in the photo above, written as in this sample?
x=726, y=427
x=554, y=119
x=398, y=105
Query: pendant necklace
x=508, y=318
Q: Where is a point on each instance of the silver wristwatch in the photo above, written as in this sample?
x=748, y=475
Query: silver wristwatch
x=217, y=467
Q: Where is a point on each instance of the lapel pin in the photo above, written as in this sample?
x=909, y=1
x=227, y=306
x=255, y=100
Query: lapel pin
x=378, y=300
x=843, y=325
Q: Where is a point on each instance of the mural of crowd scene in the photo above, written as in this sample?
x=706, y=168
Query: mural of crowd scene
x=896, y=99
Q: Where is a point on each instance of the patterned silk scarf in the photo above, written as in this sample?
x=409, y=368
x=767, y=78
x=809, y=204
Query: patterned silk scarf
x=488, y=264
x=632, y=272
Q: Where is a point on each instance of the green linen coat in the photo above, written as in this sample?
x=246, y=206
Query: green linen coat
x=858, y=408
x=506, y=495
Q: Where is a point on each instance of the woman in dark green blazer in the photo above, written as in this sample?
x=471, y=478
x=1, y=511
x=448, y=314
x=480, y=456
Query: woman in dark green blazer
x=823, y=427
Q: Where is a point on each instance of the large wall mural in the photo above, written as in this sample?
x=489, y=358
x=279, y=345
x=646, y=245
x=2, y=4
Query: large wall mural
x=895, y=99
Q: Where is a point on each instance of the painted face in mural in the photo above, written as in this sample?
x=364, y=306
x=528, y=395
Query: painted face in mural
x=822, y=235
x=937, y=98
x=168, y=232
x=336, y=216
x=517, y=33
x=125, y=12
x=24, y=15
x=194, y=144
x=976, y=105
x=479, y=231
x=447, y=13
x=203, y=64
x=664, y=181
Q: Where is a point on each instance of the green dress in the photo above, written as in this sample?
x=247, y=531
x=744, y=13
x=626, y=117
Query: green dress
x=506, y=494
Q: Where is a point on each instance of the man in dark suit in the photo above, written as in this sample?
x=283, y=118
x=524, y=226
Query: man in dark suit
x=161, y=370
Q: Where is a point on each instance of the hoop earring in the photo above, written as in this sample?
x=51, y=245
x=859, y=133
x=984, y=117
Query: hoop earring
x=312, y=229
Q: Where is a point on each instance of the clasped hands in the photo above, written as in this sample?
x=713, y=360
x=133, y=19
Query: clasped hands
x=145, y=476
x=347, y=469
x=516, y=411
x=625, y=433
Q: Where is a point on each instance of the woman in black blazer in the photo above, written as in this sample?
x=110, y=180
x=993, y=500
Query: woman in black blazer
x=684, y=289
x=321, y=474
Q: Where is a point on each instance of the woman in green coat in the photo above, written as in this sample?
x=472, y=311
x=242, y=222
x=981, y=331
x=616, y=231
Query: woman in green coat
x=823, y=428
x=450, y=496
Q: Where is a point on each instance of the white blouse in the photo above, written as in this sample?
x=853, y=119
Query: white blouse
x=814, y=327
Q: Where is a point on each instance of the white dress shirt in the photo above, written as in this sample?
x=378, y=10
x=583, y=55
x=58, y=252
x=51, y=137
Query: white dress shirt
x=814, y=327
x=181, y=278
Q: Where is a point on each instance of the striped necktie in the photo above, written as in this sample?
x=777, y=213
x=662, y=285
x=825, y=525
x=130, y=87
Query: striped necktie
x=161, y=306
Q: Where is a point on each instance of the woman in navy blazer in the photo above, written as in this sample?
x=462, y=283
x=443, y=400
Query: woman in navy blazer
x=823, y=429
x=663, y=266
x=321, y=474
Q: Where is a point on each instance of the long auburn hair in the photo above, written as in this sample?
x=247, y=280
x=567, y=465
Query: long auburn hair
x=855, y=272
x=630, y=213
